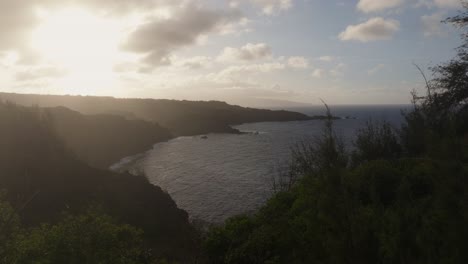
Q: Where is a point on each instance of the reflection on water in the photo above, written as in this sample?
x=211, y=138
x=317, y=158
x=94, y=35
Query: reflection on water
x=223, y=175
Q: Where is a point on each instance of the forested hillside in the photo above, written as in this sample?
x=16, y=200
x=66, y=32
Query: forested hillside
x=180, y=117
x=42, y=179
x=101, y=140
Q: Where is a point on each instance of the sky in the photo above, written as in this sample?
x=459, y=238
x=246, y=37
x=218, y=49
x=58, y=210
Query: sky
x=247, y=52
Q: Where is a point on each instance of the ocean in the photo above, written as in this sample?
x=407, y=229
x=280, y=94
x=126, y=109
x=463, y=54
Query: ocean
x=217, y=176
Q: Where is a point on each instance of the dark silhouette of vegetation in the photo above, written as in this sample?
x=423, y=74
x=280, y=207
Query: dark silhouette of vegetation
x=376, y=141
x=323, y=151
x=399, y=197
x=106, y=129
x=88, y=238
x=101, y=140
x=34, y=162
x=182, y=118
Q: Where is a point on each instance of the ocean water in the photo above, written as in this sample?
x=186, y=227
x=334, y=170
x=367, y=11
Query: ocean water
x=223, y=175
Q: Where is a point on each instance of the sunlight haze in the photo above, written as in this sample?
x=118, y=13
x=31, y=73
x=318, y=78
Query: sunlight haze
x=248, y=52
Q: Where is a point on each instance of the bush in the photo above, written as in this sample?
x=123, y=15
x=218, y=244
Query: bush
x=376, y=141
x=405, y=211
x=88, y=238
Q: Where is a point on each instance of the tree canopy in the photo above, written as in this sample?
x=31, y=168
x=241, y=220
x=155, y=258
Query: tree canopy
x=399, y=197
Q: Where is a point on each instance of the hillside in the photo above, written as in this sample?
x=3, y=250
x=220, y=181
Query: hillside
x=101, y=140
x=33, y=161
x=180, y=117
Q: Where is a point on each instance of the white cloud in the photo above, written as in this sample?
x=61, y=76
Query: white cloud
x=338, y=71
x=240, y=75
x=334, y=72
x=376, y=28
x=443, y=4
x=368, y=6
x=326, y=58
x=248, y=52
x=376, y=69
x=432, y=25
x=272, y=6
x=268, y=7
x=319, y=73
x=448, y=3
x=298, y=62
x=197, y=62
x=253, y=68
x=242, y=26
x=40, y=72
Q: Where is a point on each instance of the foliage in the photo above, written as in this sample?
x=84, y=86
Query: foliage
x=402, y=199
x=313, y=156
x=182, y=118
x=33, y=161
x=9, y=227
x=376, y=141
x=380, y=212
x=91, y=237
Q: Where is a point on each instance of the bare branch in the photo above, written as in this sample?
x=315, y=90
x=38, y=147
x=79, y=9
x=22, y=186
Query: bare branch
x=425, y=80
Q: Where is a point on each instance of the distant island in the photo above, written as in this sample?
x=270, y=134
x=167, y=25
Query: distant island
x=102, y=130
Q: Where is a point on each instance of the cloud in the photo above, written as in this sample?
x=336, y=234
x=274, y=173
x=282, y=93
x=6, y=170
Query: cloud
x=8, y=59
x=253, y=68
x=376, y=69
x=368, y=6
x=248, y=52
x=319, y=73
x=118, y=7
x=443, y=4
x=326, y=58
x=155, y=39
x=338, y=71
x=448, y=3
x=268, y=7
x=16, y=20
x=432, y=25
x=374, y=29
x=18, y=17
x=158, y=38
x=242, y=26
x=36, y=73
x=272, y=6
x=298, y=62
x=238, y=75
x=197, y=62
x=335, y=71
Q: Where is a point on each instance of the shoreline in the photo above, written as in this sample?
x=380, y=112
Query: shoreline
x=127, y=163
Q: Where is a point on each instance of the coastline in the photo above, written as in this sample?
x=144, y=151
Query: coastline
x=128, y=163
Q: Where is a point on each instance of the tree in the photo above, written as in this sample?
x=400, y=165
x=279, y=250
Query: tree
x=92, y=237
x=449, y=87
x=9, y=228
x=376, y=141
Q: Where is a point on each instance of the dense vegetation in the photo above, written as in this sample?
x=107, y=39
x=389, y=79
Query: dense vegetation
x=182, y=118
x=401, y=196
x=101, y=140
x=89, y=238
x=43, y=178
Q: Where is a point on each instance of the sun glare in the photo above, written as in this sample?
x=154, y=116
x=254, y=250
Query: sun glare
x=84, y=45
